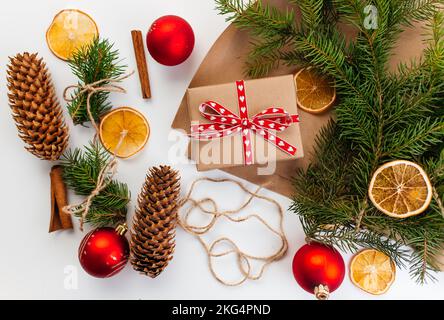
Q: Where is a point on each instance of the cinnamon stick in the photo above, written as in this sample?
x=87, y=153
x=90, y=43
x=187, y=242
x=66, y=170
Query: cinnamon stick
x=142, y=67
x=59, y=199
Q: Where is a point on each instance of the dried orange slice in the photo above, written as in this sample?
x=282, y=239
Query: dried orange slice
x=315, y=93
x=372, y=271
x=400, y=189
x=70, y=30
x=127, y=122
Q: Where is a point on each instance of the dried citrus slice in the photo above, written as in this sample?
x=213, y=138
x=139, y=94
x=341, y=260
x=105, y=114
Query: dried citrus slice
x=315, y=93
x=372, y=271
x=127, y=122
x=400, y=189
x=70, y=30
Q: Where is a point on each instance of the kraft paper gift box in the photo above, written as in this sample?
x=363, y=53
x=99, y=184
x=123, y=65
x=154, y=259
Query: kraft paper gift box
x=265, y=103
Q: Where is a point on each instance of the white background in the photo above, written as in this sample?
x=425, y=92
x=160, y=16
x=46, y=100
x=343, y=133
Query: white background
x=33, y=261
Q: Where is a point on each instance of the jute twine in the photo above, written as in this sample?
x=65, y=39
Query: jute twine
x=104, y=85
x=243, y=259
x=107, y=173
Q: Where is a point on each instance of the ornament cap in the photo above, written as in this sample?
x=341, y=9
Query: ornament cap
x=121, y=229
x=322, y=292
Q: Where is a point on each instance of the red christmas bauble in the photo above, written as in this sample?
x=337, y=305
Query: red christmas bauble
x=318, y=269
x=170, y=40
x=104, y=252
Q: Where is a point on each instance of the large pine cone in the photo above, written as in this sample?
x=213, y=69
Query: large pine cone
x=155, y=220
x=35, y=107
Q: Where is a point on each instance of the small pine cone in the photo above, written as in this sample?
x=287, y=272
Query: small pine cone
x=35, y=107
x=155, y=220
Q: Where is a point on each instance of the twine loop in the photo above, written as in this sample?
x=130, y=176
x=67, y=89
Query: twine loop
x=104, y=85
x=104, y=178
x=243, y=259
x=107, y=173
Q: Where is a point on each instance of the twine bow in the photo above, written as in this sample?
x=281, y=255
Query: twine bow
x=91, y=89
x=107, y=173
x=243, y=259
x=104, y=177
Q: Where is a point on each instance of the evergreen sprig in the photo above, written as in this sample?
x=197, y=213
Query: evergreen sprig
x=380, y=116
x=80, y=172
x=91, y=63
x=272, y=29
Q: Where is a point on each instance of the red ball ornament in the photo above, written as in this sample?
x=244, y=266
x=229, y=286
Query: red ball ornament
x=318, y=269
x=104, y=252
x=170, y=40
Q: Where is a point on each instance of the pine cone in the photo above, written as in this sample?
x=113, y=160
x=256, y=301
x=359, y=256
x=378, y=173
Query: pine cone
x=35, y=107
x=155, y=220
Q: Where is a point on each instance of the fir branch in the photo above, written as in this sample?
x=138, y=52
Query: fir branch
x=380, y=116
x=357, y=123
x=412, y=11
x=233, y=9
x=261, y=66
x=435, y=50
x=261, y=19
x=435, y=167
x=89, y=64
x=427, y=243
x=80, y=173
x=326, y=179
x=293, y=58
x=327, y=54
x=344, y=236
x=351, y=11
x=265, y=56
x=312, y=12
x=414, y=140
x=272, y=31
